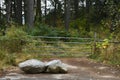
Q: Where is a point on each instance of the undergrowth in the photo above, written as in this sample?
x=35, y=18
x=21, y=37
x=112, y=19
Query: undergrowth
x=17, y=46
x=108, y=53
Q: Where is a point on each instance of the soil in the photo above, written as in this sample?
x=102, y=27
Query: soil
x=79, y=69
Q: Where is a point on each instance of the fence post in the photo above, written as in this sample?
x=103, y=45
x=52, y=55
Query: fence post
x=0, y=11
x=94, y=43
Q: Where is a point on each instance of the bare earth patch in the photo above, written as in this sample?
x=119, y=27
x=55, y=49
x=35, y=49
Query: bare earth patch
x=79, y=69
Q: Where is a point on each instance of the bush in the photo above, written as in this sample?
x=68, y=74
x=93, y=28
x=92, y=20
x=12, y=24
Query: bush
x=107, y=52
x=7, y=59
x=44, y=30
x=81, y=28
x=14, y=40
x=41, y=30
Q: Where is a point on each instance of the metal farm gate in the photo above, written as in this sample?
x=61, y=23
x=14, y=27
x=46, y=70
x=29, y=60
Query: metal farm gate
x=61, y=46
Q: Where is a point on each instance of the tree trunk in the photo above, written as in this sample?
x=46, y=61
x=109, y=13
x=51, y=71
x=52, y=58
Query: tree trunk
x=87, y=6
x=38, y=11
x=55, y=15
x=29, y=13
x=8, y=10
x=13, y=10
x=67, y=14
x=18, y=17
x=76, y=8
x=45, y=11
x=87, y=27
x=0, y=11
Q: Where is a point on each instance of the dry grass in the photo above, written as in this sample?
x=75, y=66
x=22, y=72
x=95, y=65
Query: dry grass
x=57, y=49
x=38, y=50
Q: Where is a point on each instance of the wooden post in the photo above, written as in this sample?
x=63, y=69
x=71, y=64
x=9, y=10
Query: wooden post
x=0, y=11
x=94, y=44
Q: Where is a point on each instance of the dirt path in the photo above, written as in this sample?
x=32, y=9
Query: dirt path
x=79, y=69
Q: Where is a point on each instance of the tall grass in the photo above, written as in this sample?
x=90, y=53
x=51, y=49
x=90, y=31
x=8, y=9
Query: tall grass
x=107, y=52
x=17, y=46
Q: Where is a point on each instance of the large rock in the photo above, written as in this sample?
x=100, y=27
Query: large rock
x=32, y=66
x=56, y=66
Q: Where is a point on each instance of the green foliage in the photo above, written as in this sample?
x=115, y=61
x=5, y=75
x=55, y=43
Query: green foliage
x=107, y=52
x=82, y=28
x=14, y=40
x=44, y=30
x=40, y=30
x=7, y=59
x=2, y=23
x=2, y=54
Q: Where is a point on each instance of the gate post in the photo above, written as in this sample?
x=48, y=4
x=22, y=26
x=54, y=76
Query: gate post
x=94, y=43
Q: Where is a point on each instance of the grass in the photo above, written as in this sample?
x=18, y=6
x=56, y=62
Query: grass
x=39, y=50
x=58, y=49
x=17, y=46
x=108, y=55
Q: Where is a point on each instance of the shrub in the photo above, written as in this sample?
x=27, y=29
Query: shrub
x=7, y=59
x=14, y=40
x=44, y=30
x=41, y=30
x=107, y=52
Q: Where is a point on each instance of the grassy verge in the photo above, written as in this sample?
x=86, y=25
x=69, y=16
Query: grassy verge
x=107, y=53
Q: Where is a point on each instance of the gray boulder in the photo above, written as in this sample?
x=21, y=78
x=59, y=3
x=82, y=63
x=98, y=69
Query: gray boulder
x=56, y=66
x=32, y=66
